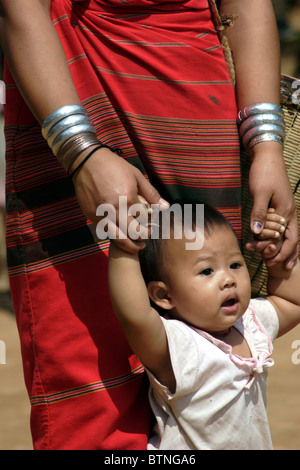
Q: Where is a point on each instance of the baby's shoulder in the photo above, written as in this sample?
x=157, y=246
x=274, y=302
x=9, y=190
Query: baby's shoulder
x=261, y=315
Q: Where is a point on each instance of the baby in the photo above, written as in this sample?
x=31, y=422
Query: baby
x=205, y=344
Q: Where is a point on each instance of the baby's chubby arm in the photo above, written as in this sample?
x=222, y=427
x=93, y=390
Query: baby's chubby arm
x=284, y=293
x=141, y=323
x=283, y=285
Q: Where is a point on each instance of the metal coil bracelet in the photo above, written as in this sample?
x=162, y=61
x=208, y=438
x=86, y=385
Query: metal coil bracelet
x=60, y=114
x=261, y=122
x=69, y=131
x=259, y=119
x=260, y=108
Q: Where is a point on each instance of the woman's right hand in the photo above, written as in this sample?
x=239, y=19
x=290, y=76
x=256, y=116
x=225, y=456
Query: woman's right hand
x=103, y=179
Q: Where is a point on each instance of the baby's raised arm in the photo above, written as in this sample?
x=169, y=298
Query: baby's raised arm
x=283, y=286
x=142, y=324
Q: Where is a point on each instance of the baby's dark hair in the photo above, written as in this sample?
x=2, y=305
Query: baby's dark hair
x=152, y=257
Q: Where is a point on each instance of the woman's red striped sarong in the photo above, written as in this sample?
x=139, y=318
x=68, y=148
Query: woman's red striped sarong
x=154, y=80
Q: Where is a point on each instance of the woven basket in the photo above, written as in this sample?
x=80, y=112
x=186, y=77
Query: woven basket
x=291, y=152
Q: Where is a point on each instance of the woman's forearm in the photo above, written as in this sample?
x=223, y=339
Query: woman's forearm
x=256, y=52
x=35, y=56
x=285, y=284
x=255, y=46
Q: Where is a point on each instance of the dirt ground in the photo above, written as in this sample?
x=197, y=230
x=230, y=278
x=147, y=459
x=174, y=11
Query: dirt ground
x=283, y=394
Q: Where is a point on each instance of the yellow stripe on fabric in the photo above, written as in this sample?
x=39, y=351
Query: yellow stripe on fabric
x=87, y=389
x=74, y=255
x=147, y=44
x=60, y=18
x=162, y=79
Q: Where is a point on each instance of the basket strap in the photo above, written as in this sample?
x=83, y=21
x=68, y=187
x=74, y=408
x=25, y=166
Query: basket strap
x=223, y=38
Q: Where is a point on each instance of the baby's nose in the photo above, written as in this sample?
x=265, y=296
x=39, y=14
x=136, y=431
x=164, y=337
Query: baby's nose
x=228, y=280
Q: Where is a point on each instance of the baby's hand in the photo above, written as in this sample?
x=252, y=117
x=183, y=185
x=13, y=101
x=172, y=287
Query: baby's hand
x=272, y=235
x=274, y=227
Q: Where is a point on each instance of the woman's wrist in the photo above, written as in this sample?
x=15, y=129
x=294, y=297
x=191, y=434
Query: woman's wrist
x=69, y=132
x=267, y=149
x=85, y=156
x=82, y=157
x=72, y=137
x=261, y=123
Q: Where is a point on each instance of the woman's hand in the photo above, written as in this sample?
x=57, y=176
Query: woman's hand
x=270, y=187
x=102, y=180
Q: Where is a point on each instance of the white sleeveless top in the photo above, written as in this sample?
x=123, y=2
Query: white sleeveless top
x=220, y=398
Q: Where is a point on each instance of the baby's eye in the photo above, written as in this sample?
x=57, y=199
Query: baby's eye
x=235, y=265
x=206, y=272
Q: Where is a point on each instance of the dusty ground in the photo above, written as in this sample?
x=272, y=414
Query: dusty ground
x=283, y=396
x=14, y=405
x=284, y=392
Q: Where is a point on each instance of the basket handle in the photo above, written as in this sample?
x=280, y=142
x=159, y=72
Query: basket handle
x=220, y=27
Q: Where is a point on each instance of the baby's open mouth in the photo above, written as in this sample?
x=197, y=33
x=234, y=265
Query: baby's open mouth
x=229, y=302
x=231, y=305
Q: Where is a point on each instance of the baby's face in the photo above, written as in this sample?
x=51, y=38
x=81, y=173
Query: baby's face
x=209, y=287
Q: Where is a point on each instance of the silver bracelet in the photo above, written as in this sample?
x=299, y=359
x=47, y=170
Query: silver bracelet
x=69, y=132
x=260, y=108
x=259, y=119
x=71, y=150
x=60, y=114
x=64, y=136
x=262, y=129
x=267, y=137
x=64, y=124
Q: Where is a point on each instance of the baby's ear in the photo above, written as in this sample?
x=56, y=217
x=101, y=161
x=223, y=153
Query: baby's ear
x=158, y=293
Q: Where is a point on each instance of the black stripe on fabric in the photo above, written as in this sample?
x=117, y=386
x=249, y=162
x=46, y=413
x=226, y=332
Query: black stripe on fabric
x=54, y=246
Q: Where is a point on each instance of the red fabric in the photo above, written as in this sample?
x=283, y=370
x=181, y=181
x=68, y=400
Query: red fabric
x=155, y=83
x=69, y=349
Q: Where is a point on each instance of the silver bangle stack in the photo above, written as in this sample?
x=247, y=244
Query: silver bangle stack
x=69, y=132
x=261, y=122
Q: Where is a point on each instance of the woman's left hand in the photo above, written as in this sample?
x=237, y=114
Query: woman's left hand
x=270, y=187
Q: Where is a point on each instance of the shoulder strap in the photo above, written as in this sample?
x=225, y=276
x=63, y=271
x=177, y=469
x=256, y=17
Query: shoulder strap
x=219, y=25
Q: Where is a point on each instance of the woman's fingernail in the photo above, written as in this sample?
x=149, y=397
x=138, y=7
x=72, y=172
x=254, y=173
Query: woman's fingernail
x=257, y=226
x=291, y=264
x=163, y=204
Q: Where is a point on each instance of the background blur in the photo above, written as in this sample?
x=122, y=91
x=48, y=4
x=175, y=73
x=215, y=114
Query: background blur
x=288, y=20
x=284, y=378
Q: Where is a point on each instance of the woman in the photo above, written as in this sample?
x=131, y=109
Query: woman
x=153, y=79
